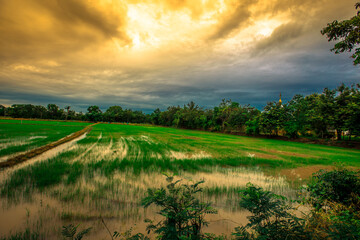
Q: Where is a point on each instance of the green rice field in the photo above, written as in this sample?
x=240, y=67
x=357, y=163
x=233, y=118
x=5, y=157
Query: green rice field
x=104, y=175
x=23, y=135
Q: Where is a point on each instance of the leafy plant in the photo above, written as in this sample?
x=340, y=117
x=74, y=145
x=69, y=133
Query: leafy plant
x=336, y=222
x=270, y=217
x=70, y=231
x=339, y=186
x=335, y=196
x=183, y=212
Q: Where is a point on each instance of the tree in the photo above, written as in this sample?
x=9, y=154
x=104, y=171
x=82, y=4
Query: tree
x=272, y=118
x=2, y=110
x=114, y=114
x=155, y=116
x=94, y=114
x=295, y=118
x=67, y=111
x=54, y=112
x=353, y=108
x=348, y=31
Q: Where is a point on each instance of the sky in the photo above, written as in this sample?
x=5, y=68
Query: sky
x=156, y=53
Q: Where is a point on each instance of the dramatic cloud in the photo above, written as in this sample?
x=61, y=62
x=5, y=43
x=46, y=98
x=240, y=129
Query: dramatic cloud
x=145, y=54
x=237, y=16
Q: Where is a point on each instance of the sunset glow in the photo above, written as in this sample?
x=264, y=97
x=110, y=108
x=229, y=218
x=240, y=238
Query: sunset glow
x=145, y=54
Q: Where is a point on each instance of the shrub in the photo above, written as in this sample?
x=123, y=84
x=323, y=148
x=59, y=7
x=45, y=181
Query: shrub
x=339, y=186
x=335, y=198
x=183, y=212
x=270, y=217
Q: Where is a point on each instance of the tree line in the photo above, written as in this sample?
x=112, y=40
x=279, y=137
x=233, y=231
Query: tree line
x=334, y=112
x=325, y=115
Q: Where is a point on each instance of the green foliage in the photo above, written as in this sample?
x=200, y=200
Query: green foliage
x=270, y=217
x=335, y=199
x=338, y=186
x=69, y=232
x=335, y=213
x=322, y=115
x=94, y=114
x=272, y=119
x=252, y=126
x=337, y=222
x=183, y=212
x=348, y=32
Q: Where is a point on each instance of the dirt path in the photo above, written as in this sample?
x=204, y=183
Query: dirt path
x=6, y=172
x=35, y=152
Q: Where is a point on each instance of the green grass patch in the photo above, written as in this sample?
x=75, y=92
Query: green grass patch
x=16, y=138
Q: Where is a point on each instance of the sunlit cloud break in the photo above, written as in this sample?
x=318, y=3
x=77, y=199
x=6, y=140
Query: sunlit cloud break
x=148, y=54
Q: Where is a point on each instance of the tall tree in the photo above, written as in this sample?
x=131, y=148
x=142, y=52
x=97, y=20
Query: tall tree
x=155, y=116
x=114, y=114
x=272, y=118
x=54, y=112
x=67, y=111
x=2, y=110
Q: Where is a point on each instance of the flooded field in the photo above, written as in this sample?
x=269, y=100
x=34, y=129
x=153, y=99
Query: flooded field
x=18, y=136
x=102, y=176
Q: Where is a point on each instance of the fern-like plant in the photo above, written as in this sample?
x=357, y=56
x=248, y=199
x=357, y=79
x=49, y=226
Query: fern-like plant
x=69, y=232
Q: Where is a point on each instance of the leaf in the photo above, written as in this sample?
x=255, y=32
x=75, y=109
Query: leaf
x=80, y=235
x=69, y=231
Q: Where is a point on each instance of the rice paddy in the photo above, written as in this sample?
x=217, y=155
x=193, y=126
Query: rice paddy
x=105, y=174
x=23, y=135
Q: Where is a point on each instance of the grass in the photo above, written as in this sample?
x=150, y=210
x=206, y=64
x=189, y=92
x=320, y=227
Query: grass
x=16, y=137
x=155, y=149
x=26, y=235
x=43, y=122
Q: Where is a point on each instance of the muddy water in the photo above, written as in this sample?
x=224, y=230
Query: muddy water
x=116, y=199
x=43, y=214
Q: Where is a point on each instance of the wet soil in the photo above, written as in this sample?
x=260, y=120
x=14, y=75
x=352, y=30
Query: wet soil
x=301, y=173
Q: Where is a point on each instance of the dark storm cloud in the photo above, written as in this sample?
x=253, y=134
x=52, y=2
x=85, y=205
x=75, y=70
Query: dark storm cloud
x=74, y=11
x=280, y=38
x=35, y=29
x=237, y=17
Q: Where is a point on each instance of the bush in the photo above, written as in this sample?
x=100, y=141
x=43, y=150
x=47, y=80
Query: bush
x=183, y=212
x=339, y=186
x=335, y=199
x=270, y=217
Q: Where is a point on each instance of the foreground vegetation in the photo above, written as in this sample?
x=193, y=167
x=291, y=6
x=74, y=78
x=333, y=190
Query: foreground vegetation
x=332, y=199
